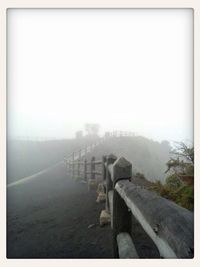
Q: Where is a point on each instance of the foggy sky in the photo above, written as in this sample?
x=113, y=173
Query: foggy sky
x=124, y=69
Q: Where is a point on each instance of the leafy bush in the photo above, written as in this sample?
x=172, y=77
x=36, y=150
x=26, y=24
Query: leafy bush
x=176, y=188
x=162, y=190
x=173, y=181
x=185, y=197
x=140, y=175
x=181, y=194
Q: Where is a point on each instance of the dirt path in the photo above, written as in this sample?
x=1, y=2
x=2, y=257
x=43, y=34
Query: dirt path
x=48, y=217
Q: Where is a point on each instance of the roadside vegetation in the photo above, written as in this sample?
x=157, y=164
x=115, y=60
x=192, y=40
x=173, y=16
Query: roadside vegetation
x=179, y=184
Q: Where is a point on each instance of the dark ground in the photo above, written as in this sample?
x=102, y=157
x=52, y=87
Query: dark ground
x=48, y=217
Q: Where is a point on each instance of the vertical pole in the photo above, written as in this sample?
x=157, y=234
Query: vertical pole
x=67, y=163
x=78, y=163
x=73, y=165
x=103, y=168
x=122, y=169
x=110, y=159
x=85, y=169
x=70, y=169
x=92, y=168
x=78, y=168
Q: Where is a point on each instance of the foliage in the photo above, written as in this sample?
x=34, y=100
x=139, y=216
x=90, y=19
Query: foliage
x=185, y=197
x=187, y=152
x=140, y=175
x=173, y=181
x=175, y=188
x=182, y=195
x=184, y=161
x=92, y=129
x=162, y=190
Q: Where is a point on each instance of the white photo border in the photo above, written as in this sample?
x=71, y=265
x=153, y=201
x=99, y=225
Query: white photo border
x=4, y=6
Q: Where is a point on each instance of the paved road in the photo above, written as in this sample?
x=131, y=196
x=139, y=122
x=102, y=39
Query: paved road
x=48, y=217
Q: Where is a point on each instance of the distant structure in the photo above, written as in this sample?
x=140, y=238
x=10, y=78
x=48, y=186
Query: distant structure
x=79, y=134
x=119, y=134
x=92, y=129
x=92, y=132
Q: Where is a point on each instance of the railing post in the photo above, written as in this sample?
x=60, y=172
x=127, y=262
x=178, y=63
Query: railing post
x=105, y=216
x=70, y=168
x=122, y=169
x=93, y=168
x=85, y=150
x=85, y=169
x=103, y=168
x=78, y=168
x=66, y=162
x=78, y=163
x=92, y=183
x=109, y=184
x=73, y=165
x=80, y=153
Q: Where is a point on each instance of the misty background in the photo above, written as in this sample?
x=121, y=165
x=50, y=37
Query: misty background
x=129, y=70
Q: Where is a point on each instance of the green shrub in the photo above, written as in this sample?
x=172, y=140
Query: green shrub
x=175, y=189
x=140, y=175
x=173, y=181
x=182, y=195
x=185, y=197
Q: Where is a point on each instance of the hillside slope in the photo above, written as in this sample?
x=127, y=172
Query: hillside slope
x=25, y=158
x=147, y=156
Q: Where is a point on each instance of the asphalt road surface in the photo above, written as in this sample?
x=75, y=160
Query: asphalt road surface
x=48, y=217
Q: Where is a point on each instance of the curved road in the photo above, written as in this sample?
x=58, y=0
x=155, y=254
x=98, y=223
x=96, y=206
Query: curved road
x=48, y=217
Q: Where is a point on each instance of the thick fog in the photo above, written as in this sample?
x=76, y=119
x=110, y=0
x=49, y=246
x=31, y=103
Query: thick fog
x=123, y=69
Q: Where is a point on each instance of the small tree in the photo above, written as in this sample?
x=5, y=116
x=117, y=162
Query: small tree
x=173, y=181
x=179, y=185
x=92, y=129
x=182, y=150
x=184, y=161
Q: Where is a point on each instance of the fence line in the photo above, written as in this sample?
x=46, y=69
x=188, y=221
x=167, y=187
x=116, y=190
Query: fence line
x=119, y=134
x=167, y=224
x=88, y=148
x=83, y=169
